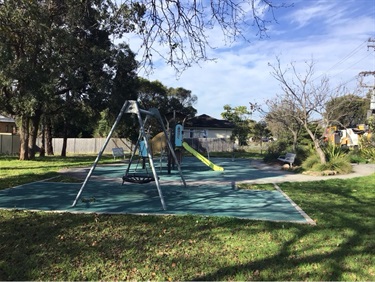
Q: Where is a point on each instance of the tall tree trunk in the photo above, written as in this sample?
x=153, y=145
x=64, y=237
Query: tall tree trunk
x=48, y=136
x=24, y=138
x=42, y=151
x=35, y=120
x=65, y=139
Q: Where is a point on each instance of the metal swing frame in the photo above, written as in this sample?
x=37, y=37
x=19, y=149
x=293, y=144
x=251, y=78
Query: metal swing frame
x=131, y=106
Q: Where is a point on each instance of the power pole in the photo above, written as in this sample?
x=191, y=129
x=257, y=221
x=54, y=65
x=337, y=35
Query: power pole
x=362, y=74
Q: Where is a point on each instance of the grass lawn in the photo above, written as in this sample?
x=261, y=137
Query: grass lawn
x=51, y=246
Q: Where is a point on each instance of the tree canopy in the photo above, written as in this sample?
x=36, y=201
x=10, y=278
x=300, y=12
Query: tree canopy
x=57, y=56
x=347, y=111
x=240, y=117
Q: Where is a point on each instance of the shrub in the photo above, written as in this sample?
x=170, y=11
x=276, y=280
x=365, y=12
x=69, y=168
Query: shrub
x=336, y=160
x=311, y=163
x=368, y=153
x=368, y=148
x=274, y=150
x=340, y=164
x=356, y=157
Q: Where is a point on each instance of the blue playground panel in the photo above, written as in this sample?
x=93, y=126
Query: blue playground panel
x=198, y=198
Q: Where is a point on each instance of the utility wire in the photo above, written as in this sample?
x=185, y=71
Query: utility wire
x=352, y=53
x=360, y=60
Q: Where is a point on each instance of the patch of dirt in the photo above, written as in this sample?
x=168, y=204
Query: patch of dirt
x=320, y=173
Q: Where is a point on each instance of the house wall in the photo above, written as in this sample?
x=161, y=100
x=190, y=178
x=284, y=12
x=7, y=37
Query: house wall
x=207, y=133
x=6, y=127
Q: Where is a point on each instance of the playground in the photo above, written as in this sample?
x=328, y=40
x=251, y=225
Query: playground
x=192, y=185
x=207, y=193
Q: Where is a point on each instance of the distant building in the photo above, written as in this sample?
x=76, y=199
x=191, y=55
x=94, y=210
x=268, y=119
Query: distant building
x=7, y=125
x=204, y=126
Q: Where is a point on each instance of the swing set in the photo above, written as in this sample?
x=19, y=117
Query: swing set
x=136, y=177
x=131, y=106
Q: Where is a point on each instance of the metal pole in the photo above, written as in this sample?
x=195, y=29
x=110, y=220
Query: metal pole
x=150, y=159
x=157, y=115
x=123, y=110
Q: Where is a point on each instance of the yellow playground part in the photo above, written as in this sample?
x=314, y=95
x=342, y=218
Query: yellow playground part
x=202, y=158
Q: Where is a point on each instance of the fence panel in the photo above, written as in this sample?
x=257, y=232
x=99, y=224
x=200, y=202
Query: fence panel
x=212, y=144
x=9, y=144
x=78, y=146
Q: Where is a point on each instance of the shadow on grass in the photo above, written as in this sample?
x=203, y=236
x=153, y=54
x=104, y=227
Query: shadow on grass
x=16, y=180
x=46, y=246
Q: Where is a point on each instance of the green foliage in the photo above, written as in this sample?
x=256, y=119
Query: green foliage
x=334, y=152
x=239, y=116
x=367, y=148
x=371, y=123
x=355, y=156
x=57, y=59
x=275, y=149
x=368, y=153
x=348, y=110
x=312, y=162
x=337, y=160
x=340, y=164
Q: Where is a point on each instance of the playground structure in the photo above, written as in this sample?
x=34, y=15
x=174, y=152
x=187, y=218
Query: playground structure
x=159, y=143
x=348, y=137
x=132, y=107
x=202, y=158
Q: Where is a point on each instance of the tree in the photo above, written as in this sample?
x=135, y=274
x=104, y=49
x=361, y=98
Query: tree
x=61, y=50
x=182, y=101
x=281, y=122
x=182, y=27
x=23, y=30
x=125, y=86
x=347, y=111
x=307, y=100
x=54, y=56
x=239, y=116
x=153, y=94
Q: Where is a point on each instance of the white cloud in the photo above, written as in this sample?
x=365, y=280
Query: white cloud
x=242, y=75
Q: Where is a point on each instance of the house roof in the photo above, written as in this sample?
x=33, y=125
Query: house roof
x=6, y=119
x=208, y=122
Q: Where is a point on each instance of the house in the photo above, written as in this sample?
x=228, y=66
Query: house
x=204, y=126
x=7, y=125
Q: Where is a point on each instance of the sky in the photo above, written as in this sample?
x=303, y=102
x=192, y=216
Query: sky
x=332, y=33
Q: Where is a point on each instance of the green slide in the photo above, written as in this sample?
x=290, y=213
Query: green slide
x=201, y=158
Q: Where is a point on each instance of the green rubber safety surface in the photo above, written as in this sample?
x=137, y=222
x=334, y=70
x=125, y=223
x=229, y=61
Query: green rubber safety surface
x=212, y=199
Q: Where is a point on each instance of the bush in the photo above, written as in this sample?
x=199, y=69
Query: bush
x=336, y=160
x=311, y=163
x=340, y=164
x=368, y=154
x=368, y=149
x=356, y=157
x=274, y=150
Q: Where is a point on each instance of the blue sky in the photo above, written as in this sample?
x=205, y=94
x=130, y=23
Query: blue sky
x=333, y=33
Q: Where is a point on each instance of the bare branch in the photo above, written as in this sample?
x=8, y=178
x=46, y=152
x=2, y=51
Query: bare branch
x=178, y=31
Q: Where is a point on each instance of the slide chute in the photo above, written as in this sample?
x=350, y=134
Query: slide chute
x=202, y=158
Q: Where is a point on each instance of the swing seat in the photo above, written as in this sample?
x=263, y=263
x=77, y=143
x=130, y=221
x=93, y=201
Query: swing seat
x=137, y=178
